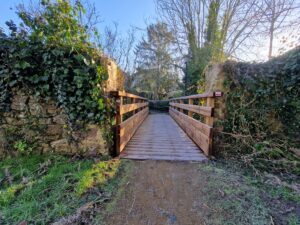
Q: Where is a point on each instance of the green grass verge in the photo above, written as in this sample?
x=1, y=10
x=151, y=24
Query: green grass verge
x=116, y=188
x=236, y=196
x=41, y=189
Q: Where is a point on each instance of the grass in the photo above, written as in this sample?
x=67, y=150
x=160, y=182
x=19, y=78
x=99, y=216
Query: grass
x=238, y=197
x=97, y=175
x=116, y=189
x=41, y=189
x=232, y=201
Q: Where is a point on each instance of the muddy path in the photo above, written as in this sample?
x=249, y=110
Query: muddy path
x=184, y=193
x=160, y=193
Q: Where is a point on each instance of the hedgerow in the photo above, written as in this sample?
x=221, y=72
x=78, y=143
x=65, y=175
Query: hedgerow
x=50, y=55
x=262, y=125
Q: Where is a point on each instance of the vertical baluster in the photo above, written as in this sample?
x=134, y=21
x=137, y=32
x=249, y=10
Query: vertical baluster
x=181, y=102
x=191, y=102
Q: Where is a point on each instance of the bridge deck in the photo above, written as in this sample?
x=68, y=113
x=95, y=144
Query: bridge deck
x=160, y=138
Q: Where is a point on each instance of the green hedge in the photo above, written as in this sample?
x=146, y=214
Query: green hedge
x=270, y=89
x=72, y=79
x=262, y=124
x=51, y=55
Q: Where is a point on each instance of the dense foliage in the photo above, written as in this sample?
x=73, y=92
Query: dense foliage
x=199, y=57
x=196, y=63
x=263, y=112
x=50, y=55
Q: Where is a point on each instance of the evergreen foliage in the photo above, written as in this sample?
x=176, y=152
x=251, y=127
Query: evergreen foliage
x=263, y=113
x=50, y=55
x=156, y=75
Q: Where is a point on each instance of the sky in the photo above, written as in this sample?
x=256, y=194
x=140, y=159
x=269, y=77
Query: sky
x=126, y=13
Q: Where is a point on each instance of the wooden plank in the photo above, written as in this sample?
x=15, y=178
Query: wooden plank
x=131, y=107
x=134, y=100
x=191, y=127
x=164, y=149
x=119, y=119
x=129, y=121
x=203, y=110
x=204, y=95
x=199, y=158
x=125, y=94
x=160, y=138
x=178, y=154
x=148, y=140
x=159, y=145
x=199, y=138
x=180, y=103
x=201, y=127
x=190, y=112
x=210, y=102
x=210, y=120
x=157, y=150
x=129, y=126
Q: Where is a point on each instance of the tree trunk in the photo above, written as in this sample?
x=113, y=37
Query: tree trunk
x=271, y=40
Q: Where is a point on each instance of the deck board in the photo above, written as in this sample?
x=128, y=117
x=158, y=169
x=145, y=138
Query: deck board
x=160, y=138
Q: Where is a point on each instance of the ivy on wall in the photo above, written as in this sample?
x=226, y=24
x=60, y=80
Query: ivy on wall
x=262, y=122
x=272, y=87
x=50, y=55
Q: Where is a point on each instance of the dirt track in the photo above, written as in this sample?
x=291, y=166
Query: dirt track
x=161, y=193
x=183, y=193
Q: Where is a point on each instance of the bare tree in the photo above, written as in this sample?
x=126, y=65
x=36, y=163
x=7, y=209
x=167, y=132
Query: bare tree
x=237, y=21
x=184, y=17
x=277, y=16
x=120, y=47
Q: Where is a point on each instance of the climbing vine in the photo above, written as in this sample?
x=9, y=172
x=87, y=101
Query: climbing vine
x=50, y=55
x=263, y=112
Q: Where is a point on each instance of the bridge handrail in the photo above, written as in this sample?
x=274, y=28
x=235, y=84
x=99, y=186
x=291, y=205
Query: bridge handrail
x=131, y=110
x=126, y=94
x=183, y=113
x=197, y=96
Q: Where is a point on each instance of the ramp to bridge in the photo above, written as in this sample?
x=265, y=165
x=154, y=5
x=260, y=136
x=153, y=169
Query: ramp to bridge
x=160, y=138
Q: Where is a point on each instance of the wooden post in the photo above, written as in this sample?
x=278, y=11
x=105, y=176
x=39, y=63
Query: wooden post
x=191, y=102
x=181, y=102
x=119, y=119
x=134, y=100
x=209, y=120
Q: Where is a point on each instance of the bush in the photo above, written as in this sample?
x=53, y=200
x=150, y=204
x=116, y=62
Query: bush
x=263, y=112
x=50, y=55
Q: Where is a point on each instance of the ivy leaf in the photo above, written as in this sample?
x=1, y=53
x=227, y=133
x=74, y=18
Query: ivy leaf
x=24, y=65
x=100, y=103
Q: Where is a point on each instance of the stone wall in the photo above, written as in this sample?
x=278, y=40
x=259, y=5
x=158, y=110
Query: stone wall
x=43, y=127
x=214, y=81
x=116, y=78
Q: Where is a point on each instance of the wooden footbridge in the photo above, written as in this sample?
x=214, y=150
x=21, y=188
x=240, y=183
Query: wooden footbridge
x=184, y=134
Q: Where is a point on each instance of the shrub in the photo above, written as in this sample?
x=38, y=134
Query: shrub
x=50, y=55
x=263, y=112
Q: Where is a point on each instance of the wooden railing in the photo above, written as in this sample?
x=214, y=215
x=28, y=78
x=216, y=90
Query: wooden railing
x=195, y=115
x=131, y=110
